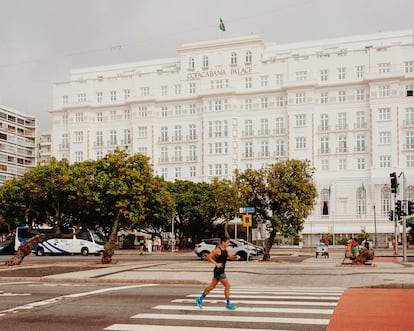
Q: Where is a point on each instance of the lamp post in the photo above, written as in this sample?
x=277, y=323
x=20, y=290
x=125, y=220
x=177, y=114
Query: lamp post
x=375, y=226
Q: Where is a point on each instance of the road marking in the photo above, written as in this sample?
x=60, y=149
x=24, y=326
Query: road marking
x=234, y=296
x=36, y=304
x=249, y=309
x=9, y=294
x=264, y=302
x=227, y=318
x=146, y=327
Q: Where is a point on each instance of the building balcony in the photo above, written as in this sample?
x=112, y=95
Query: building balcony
x=177, y=159
x=163, y=140
x=342, y=150
x=263, y=154
x=63, y=146
x=248, y=155
x=263, y=133
x=248, y=134
x=279, y=131
x=279, y=153
x=177, y=139
x=191, y=137
x=360, y=149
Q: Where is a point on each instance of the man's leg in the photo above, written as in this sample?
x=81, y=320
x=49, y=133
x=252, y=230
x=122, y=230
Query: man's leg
x=207, y=290
x=226, y=285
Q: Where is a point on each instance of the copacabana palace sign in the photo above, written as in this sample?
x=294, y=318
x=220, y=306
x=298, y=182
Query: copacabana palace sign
x=219, y=72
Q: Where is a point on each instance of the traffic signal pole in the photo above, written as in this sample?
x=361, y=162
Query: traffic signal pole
x=404, y=210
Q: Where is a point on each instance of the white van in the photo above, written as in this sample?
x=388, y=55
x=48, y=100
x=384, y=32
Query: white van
x=85, y=242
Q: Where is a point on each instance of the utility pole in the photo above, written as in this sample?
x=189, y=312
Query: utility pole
x=404, y=212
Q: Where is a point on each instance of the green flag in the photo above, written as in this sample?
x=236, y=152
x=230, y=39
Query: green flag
x=221, y=25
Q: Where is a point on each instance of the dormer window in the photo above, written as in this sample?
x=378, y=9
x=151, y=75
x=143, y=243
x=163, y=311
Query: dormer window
x=233, y=60
x=191, y=63
x=248, y=57
x=205, y=62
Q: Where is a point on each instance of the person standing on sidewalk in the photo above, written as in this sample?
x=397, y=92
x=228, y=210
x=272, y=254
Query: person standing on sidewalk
x=218, y=257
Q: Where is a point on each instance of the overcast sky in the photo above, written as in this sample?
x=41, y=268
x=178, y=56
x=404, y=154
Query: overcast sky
x=42, y=40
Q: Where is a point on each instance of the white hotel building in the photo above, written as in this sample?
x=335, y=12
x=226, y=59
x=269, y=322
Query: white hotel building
x=345, y=104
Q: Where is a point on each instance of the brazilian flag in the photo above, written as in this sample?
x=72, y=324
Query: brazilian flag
x=221, y=25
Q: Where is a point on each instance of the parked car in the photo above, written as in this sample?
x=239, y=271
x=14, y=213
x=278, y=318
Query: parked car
x=235, y=247
x=7, y=247
x=259, y=249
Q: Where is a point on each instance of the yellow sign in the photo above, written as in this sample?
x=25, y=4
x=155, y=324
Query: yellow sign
x=247, y=220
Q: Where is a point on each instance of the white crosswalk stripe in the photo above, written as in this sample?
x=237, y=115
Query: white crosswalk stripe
x=271, y=309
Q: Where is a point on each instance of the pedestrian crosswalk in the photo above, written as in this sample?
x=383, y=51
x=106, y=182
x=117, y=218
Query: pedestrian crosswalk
x=265, y=309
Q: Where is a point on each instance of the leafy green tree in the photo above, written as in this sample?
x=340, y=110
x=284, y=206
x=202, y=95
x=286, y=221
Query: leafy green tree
x=43, y=196
x=123, y=184
x=195, y=214
x=284, y=195
x=226, y=200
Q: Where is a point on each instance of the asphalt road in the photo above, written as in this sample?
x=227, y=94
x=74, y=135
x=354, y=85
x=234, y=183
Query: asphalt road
x=64, y=307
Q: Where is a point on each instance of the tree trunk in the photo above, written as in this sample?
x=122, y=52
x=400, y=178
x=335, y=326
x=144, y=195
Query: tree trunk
x=24, y=249
x=268, y=245
x=109, y=248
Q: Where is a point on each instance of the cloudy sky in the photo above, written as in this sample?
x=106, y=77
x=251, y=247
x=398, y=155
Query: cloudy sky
x=42, y=40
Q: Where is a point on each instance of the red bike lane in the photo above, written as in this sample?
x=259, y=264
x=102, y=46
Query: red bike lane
x=376, y=309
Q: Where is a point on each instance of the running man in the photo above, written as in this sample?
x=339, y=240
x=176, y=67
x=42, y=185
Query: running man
x=219, y=257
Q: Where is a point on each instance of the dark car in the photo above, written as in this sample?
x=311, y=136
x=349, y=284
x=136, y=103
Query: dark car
x=7, y=247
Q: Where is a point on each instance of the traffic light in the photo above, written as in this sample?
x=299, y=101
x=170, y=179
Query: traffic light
x=394, y=182
x=398, y=210
x=410, y=207
x=391, y=216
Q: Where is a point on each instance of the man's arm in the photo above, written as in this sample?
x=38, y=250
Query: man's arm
x=232, y=257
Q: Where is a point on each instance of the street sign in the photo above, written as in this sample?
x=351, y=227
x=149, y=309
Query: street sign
x=247, y=220
x=247, y=210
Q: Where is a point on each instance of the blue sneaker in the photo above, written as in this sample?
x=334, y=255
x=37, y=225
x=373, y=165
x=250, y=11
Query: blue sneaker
x=231, y=306
x=199, y=302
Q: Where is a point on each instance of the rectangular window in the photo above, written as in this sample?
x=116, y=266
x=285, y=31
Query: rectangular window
x=300, y=120
x=409, y=67
x=248, y=128
x=99, y=117
x=324, y=97
x=384, y=67
x=248, y=82
x=264, y=103
x=127, y=136
x=145, y=91
x=164, y=111
x=341, y=96
x=192, y=88
x=301, y=143
x=127, y=94
x=113, y=96
x=324, y=123
x=164, y=90
x=279, y=79
x=65, y=99
x=142, y=132
x=177, y=110
x=384, y=91
x=78, y=136
x=79, y=117
x=301, y=75
x=384, y=114
x=360, y=70
x=192, y=109
x=99, y=97
x=113, y=115
x=142, y=112
x=99, y=138
x=193, y=171
x=342, y=123
x=127, y=114
x=177, y=89
x=264, y=80
x=324, y=75
x=78, y=156
x=82, y=97
x=248, y=104
x=112, y=138
x=342, y=164
x=341, y=73
x=325, y=165
x=361, y=163
x=385, y=161
x=385, y=137
x=300, y=98
x=280, y=102
x=410, y=161
x=360, y=94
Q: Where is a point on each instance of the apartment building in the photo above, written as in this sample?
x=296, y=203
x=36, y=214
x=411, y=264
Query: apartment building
x=17, y=143
x=345, y=104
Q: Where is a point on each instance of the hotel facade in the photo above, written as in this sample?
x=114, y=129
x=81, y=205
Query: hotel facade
x=345, y=104
x=17, y=143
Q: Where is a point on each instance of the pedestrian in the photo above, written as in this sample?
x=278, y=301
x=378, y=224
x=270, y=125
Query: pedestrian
x=218, y=257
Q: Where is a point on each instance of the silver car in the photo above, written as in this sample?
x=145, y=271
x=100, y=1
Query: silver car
x=235, y=247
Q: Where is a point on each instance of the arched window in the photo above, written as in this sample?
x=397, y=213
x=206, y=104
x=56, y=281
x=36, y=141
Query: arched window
x=248, y=57
x=361, y=201
x=191, y=63
x=409, y=193
x=385, y=200
x=205, y=62
x=325, y=202
x=233, y=59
